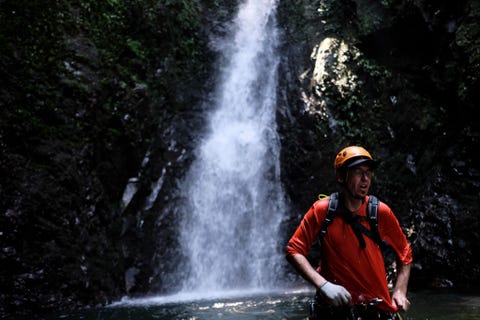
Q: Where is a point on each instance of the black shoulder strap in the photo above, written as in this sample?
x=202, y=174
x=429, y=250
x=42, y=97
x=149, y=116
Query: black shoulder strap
x=332, y=208
x=372, y=212
x=372, y=209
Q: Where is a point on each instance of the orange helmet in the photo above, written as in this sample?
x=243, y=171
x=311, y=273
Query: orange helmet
x=352, y=156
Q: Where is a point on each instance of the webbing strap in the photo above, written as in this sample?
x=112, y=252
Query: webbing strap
x=332, y=209
x=372, y=212
x=372, y=209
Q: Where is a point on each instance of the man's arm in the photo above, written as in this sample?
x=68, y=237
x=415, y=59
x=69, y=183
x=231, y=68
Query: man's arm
x=305, y=269
x=399, y=294
x=338, y=295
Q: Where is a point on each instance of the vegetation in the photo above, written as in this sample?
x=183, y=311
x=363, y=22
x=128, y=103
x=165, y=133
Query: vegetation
x=85, y=85
x=410, y=102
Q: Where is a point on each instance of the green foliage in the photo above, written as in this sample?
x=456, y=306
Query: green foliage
x=357, y=109
x=84, y=85
x=135, y=46
x=468, y=39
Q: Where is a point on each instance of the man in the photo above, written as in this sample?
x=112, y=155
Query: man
x=351, y=279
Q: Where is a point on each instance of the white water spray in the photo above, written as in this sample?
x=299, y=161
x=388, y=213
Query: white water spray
x=230, y=225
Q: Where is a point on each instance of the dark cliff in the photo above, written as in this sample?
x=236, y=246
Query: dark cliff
x=400, y=78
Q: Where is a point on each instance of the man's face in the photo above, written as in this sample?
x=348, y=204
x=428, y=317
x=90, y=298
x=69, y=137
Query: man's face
x=358, y=180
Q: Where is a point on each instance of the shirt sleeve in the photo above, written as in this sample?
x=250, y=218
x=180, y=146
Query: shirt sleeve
x=391, y=231
x=308, y=229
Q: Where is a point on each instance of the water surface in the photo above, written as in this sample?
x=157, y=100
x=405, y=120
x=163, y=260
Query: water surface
x=429, y=305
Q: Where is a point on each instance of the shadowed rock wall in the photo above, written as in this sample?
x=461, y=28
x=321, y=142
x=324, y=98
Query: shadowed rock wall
x=401, y=79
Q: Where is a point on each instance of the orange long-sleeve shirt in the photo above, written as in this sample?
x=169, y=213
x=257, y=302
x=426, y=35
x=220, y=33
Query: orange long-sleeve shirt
x=343, y=261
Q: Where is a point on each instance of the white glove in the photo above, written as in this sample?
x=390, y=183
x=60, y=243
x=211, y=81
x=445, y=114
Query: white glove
x=338, y=295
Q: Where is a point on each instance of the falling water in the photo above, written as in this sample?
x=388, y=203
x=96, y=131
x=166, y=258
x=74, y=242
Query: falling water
x=230, y=227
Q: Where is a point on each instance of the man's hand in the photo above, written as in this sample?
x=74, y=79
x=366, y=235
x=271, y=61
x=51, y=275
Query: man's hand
x=338, y=295
x=400, y=301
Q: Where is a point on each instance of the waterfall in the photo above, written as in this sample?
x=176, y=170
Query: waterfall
x=235, y=202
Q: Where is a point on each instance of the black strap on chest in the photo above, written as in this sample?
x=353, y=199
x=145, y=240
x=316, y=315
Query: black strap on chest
x=353, y=220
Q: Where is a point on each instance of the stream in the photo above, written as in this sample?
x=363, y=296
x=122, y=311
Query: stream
x=426, y=305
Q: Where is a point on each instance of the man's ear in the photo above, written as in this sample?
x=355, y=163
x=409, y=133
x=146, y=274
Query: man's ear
x=340, y=177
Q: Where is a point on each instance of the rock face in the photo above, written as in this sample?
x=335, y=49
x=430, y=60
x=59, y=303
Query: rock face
x=96, y=97
x=399, y=78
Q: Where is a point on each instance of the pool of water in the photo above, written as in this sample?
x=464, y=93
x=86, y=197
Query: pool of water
x=427, y=305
